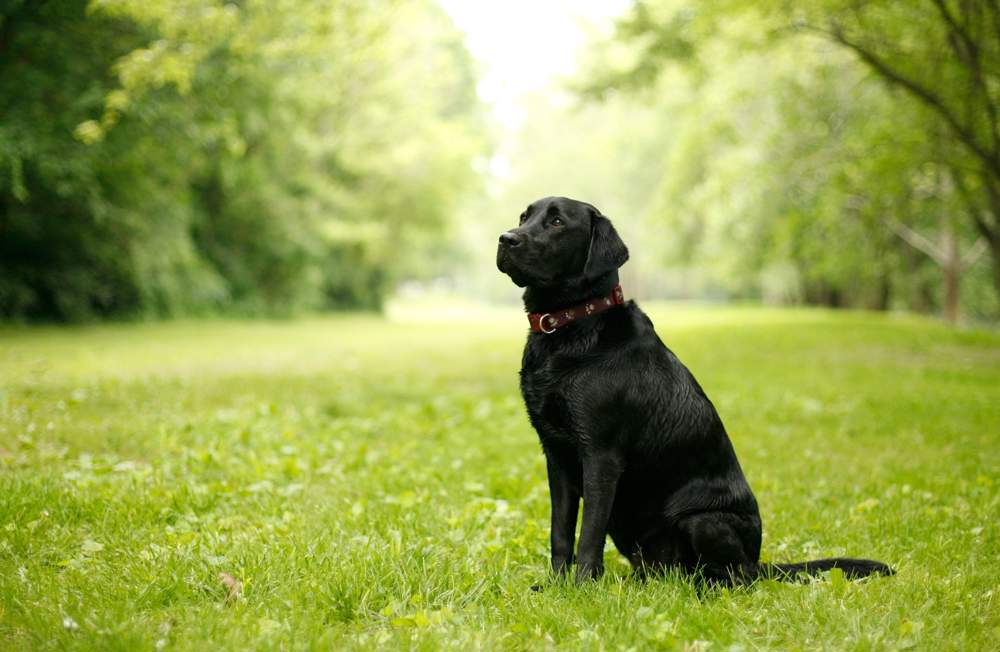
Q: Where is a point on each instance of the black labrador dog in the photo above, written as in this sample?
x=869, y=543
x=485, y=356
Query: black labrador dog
x=623, y=424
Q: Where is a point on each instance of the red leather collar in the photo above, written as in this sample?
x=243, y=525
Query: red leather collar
x=549, y=322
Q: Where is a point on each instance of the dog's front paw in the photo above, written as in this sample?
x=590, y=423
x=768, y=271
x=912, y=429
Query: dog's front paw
x=588, y=572
x=560, y=565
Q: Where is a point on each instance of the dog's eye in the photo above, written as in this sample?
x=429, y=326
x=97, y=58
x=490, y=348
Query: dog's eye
x=556, y=222
x=520, y=220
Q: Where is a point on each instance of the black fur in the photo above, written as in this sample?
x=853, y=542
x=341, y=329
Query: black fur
x=624, y=425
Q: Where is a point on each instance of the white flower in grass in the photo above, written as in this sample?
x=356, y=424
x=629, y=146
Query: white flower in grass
x=69, y=624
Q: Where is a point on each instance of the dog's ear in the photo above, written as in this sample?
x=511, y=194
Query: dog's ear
x=607, y=252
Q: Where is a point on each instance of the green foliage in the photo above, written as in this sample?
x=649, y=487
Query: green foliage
x=375, y=484
x=837, y=147
x=161, y=158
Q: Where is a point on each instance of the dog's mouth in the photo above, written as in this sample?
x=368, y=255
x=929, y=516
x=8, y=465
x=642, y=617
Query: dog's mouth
x=506, y=264
x=518, y=270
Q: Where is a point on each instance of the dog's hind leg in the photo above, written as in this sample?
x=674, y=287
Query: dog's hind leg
x=654, y=553
x=723, y=547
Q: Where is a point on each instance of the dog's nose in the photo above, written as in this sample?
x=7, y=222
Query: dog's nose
x=510, y=239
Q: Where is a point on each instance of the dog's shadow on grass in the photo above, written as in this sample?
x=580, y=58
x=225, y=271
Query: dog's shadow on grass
x=692, y=585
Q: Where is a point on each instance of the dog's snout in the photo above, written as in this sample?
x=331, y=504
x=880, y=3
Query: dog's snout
x=510, y=239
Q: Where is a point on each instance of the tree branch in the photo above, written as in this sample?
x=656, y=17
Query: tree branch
x=971, y=203
x=994, y=8
x=971, y=49
x=969, y=55
x=917, y=241
x=917, y=90
x=972, y=255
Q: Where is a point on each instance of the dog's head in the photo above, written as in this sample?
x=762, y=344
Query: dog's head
x=558, y=241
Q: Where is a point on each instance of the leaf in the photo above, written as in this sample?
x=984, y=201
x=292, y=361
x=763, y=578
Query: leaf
x=88, y=132
x=838, y=584
x=267, y=626
x=234, y=588
x=90, y=546
x=258, y=487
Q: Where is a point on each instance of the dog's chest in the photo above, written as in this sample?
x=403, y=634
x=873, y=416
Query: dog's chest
x=547, y=386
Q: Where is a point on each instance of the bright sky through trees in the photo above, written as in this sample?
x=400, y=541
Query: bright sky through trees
x=525, y=46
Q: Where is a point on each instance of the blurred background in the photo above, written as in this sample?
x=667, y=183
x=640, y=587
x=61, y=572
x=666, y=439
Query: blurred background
x=165, y=158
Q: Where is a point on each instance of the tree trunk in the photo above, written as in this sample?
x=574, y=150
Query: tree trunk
x=918, y=298
x=994, y=243
x=883, y=298
x=952, y=267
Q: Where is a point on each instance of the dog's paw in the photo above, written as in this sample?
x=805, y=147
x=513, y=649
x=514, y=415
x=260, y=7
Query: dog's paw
x=588, y=573
x=561, y=565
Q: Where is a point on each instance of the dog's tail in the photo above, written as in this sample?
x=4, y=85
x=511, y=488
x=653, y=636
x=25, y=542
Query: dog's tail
x=852, y=568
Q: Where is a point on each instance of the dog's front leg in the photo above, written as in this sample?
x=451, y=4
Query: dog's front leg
x=565, y=499
x=601, y=471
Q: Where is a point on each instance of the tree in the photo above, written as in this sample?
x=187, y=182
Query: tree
x=944, y=54
x=160, y=158
x=838, y=195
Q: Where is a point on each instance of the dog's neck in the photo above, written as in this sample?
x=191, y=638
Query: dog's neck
x=552, y=299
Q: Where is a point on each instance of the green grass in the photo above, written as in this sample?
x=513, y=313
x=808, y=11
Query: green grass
x=375, y=484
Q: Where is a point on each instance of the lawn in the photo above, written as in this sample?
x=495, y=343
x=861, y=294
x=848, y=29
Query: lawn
x=368, y=483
